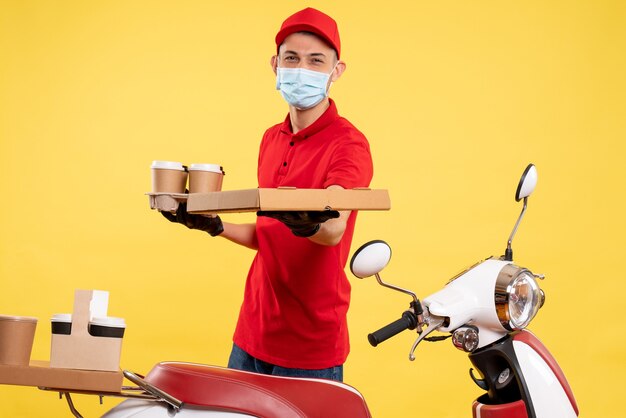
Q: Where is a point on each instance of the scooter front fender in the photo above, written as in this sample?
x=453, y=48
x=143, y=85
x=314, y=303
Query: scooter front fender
x=549, y=390
x=522, y=379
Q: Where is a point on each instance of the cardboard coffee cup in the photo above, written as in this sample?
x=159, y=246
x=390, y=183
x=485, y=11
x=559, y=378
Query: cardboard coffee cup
x=168, y=177
x=204, y=178
x=107, y=326
x=17, y=334
x=61, y=324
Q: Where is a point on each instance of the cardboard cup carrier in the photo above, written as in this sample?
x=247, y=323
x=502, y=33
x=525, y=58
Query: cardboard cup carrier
x=168, y=177
x=17, y=334
x=204, y=178
x=87, y=339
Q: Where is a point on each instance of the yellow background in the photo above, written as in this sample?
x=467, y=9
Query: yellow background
x=455, y=97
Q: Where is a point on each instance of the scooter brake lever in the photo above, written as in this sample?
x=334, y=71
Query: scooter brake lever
x=433, y=323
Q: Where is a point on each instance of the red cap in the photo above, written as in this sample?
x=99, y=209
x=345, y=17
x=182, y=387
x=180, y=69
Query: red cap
x=311, y=20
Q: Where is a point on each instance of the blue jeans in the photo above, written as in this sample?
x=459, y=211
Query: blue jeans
x=241, y=360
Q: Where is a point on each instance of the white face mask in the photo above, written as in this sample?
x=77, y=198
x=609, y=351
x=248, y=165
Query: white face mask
x=302, y=88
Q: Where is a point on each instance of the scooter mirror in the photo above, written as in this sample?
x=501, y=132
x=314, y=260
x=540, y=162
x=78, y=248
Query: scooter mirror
x=527, y=183
x=370, y=259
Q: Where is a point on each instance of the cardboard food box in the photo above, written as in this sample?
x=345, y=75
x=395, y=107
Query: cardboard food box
x=288, y=199
x=80, y=349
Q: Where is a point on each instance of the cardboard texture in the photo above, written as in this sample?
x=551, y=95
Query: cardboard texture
x=16, y=339
x=168, y=181
x=204, y=181
x=288, y=199
x=80, y=350
x=166, y=201
x=40, y=374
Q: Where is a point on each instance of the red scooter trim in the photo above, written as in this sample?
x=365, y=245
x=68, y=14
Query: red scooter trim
x=510, y=410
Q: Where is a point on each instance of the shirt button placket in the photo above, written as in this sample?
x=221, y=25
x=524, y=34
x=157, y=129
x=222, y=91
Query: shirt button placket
x=288, y=154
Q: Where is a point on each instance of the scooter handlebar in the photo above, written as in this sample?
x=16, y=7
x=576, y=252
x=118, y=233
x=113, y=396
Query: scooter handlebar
x=408, y=321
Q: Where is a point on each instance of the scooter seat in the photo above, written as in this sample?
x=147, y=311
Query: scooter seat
x=256, y=394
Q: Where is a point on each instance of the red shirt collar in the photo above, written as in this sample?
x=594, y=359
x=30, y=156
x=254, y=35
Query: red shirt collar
x=328, y=117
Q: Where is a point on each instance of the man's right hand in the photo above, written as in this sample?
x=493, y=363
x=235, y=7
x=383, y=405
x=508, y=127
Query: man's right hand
x=212, y=225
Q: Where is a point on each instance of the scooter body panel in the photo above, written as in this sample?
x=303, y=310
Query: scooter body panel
x=519, y=371
x=510, y=410
x=550, y=393
x=137, y=408
x=469, y=299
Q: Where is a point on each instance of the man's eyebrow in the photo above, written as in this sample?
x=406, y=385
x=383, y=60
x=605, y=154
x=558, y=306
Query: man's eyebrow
x=312, y=54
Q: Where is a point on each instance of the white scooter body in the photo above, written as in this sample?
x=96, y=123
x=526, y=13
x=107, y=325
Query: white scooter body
x=486, y=310
x=147, y=409
x=468, y=300
x=550, y=393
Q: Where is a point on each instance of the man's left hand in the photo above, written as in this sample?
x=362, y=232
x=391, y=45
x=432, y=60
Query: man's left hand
x=301, y=223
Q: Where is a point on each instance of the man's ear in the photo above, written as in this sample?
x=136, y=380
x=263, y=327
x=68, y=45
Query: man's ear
x=339, y=69
x=274, y=63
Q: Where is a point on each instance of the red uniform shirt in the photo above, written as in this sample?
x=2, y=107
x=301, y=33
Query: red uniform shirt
x=297, y=293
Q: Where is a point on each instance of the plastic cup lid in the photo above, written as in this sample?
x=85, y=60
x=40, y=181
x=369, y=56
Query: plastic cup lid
x=206, y=167
x=167, y=165
x=17, y=318
x=108, y=321
x=61, y=317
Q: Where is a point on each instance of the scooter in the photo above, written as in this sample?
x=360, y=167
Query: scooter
x=486, y=309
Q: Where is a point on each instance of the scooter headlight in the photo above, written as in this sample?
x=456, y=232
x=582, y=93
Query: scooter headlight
x=517, y=297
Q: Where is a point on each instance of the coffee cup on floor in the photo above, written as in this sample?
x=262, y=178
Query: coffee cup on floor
x=17, y=334
x=205, y=178
x=168, y=177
